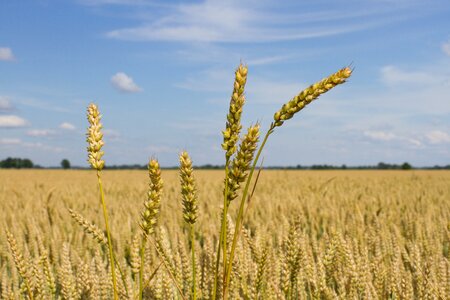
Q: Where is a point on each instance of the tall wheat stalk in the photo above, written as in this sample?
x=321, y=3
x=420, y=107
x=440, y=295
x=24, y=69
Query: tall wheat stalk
x=95, y=144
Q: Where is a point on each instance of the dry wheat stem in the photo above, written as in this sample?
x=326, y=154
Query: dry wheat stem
x=95, y=143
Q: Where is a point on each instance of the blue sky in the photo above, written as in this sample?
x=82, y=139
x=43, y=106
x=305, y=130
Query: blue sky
x=162, y=73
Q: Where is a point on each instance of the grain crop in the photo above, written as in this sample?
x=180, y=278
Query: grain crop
x=104, y=234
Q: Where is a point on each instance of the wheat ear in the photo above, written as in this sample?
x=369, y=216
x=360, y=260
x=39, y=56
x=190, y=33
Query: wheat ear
x=89, y=228
x=241, y=162
x=149, y=216
x=288, y=110
x=189, y=197
x=20, y=262
x=94, y=137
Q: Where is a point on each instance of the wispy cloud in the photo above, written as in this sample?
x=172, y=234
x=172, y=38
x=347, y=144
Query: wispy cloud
x=242, y=22
x=43, y=105
x=40, y=132
x=67, y=126
x=438, y=137
x=15, y=142
x=124, y=83
x=12, y=121
x=380, y=135
x=268, y=60
x=386, y=136
x=446, y=48
x=6, y=54
x=392, y=75
x=10, y=141
x=5, y=104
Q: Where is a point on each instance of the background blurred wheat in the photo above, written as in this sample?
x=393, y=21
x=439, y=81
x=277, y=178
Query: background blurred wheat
x=322, y=234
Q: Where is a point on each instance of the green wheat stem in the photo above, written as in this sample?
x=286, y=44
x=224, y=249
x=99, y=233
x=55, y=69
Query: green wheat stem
x=241, y=213
x=108, y=235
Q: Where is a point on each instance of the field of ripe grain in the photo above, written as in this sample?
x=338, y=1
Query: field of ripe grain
x=308, y=235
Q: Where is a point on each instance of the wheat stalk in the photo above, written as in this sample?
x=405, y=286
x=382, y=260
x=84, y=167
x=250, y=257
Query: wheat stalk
x=95, y=143
x=189, y=197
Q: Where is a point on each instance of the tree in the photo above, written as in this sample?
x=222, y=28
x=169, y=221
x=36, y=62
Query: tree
x=65, y=164
x=406, y=166
x=17, y=163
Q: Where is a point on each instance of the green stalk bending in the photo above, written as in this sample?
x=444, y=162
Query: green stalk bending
x=108, y=235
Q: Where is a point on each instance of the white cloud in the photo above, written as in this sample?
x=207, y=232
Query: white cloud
x=40, y=132
x=11, y=121
x=438, y=137
x=268, y=60
x=446, y=48
x=124, y=83
x=15, y=142
x=385, y=136
x=380, y=135
x=392, y=75
x=251, y=21
x=5, y=104
x=67, y=126
x=6, y=54
x=10, y=141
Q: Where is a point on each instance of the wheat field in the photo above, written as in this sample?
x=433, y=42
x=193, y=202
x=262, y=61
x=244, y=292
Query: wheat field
x=307, y=235
x=236, y=233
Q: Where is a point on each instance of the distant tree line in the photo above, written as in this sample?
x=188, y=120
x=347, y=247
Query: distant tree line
x=25, y=163
x=16, y=163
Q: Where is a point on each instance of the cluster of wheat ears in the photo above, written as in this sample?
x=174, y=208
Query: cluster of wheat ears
x=315, y=259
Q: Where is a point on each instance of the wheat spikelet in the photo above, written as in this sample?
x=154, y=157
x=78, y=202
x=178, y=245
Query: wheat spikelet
x=311, y=93
x=94, y=137
x=233, y=125
x=135, y=257
x=90, y=228
x=188, y=189
x=83, y=284
x=67, y=279
x=149, y=216
x=241, y=163
x=261, y=272
x=21, y=264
